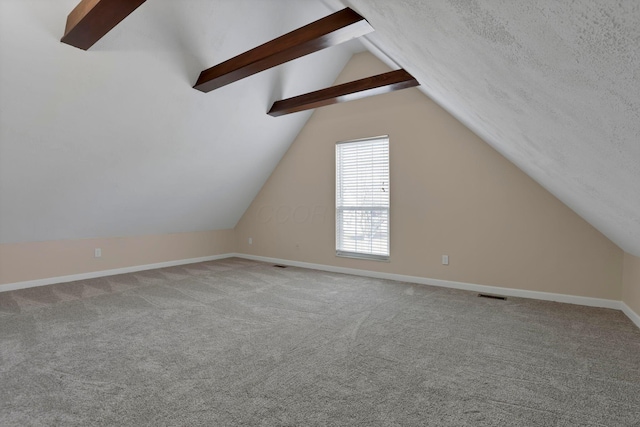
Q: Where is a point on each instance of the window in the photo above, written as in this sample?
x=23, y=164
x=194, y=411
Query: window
x=362, y=198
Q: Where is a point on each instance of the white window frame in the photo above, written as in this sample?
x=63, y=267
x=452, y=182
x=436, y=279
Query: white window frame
x=340, y=247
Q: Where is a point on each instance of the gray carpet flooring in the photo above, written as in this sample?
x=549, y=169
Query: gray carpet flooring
x=236, y=342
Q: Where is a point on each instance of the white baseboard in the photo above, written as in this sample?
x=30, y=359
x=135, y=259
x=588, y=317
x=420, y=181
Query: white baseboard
x=546, y=296
x=635, y=318
x=104, y=273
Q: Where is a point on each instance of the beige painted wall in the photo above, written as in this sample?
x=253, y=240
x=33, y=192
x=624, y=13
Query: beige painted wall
x=631, y=282
x=451, y=193
x=38, y=260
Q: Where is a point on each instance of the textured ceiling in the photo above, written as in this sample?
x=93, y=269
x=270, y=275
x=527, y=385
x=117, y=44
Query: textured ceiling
x=114, y=141
x=552, y=85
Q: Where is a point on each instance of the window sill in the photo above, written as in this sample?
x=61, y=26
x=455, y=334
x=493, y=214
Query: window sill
x=369, y=257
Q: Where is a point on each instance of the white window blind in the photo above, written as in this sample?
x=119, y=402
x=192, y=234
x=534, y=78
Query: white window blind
x=362, y=198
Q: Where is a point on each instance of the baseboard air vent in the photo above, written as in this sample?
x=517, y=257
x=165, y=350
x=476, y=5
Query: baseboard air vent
x=492, y=296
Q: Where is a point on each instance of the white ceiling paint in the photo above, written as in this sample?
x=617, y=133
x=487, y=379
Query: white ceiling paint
x=552, y=85
x=114, y=141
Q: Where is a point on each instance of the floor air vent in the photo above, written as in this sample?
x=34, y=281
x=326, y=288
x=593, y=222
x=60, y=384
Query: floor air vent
x=280, y=266
x=492, y=296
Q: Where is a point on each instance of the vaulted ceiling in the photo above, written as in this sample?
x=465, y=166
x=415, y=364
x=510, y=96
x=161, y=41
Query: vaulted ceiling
x=552, y=85
x=114, y=141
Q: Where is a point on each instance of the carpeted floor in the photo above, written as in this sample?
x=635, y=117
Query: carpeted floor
x=236, y=342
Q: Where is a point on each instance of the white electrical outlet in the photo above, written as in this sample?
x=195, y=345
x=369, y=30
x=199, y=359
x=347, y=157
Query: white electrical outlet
x=97, y=252
x=251, y=240
x=445, y=259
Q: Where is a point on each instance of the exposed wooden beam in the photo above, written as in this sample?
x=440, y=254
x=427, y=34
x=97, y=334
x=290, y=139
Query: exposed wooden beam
x=92, y=19
x=326, y=32
x=369, y=86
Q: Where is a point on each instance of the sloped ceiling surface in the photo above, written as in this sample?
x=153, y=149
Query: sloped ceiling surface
x=552, y=85
x=114, y=141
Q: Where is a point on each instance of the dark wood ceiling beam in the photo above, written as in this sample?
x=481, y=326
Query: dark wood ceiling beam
x=369, y=86
x=326, y=32
x=92, y=19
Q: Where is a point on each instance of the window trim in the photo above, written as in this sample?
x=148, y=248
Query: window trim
x=360, y=255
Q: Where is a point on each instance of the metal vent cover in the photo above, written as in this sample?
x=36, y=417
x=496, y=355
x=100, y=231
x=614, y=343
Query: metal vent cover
x=500, y=297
